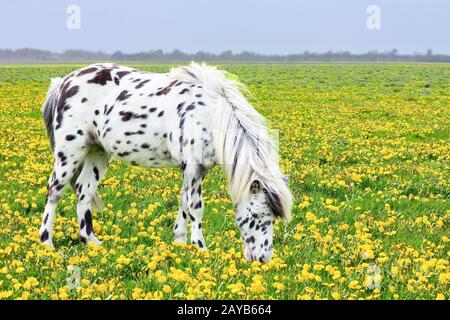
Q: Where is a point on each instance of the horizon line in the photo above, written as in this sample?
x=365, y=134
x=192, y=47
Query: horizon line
x=306, y=51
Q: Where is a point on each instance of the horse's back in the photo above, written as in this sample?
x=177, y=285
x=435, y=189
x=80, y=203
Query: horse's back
x=144, y=118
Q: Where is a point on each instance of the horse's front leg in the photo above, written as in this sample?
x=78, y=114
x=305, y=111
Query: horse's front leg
x=193, y=178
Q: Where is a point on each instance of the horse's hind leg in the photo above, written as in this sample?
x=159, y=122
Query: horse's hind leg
x=180, y=228
x=67, y=160
x=94, y=167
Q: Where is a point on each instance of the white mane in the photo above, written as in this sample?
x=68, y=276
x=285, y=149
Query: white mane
x=242, y=142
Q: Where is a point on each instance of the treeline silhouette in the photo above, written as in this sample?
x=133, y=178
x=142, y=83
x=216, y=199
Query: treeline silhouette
x=35, y=55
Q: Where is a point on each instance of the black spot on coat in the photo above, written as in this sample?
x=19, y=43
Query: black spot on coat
x=167, y=89
x=102, y=77
x=122, y=74
x=124, y=95
x=44, y=236
x=70, y=137
x=86, y=71
x=126, y=115
x=141, y=84
x=97, y=176
x=88, y=219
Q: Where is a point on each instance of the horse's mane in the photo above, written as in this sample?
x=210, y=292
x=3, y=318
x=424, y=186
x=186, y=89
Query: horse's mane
x=242, y=142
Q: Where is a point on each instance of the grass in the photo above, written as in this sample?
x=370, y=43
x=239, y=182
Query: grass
x=366, y=145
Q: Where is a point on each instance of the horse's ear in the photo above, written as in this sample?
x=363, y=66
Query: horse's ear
x=255, y=187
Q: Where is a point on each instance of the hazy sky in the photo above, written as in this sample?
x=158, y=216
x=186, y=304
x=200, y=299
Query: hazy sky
x=265, y=26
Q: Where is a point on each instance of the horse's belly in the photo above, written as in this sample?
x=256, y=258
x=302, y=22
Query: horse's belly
x=149, y=159
x=147, y=148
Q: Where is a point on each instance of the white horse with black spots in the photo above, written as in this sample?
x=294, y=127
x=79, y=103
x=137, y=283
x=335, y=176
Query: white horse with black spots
x=192, y=117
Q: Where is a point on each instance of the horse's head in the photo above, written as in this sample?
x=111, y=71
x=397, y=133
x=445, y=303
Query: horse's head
x=255, y=218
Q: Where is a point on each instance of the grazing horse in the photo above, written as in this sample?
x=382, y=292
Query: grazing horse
x=192, y=117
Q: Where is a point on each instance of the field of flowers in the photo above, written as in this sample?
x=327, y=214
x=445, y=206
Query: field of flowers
x=367, y=147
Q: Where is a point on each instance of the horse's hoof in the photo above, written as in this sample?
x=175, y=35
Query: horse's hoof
x=48, y=243
x=180, y=240
x=95, y=241
x=200, y=244
x=92, y=240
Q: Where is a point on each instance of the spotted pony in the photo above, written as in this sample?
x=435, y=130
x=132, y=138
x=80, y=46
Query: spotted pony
x=193, y=117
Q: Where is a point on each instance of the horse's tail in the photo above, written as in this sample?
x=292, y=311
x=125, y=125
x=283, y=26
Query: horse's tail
x=49, y=107
x=242, y=142
x=48, y=114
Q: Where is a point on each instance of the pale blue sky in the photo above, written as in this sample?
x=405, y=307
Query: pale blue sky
x=265, y=26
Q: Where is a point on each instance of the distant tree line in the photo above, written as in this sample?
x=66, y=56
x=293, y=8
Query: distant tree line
x=35, y=55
